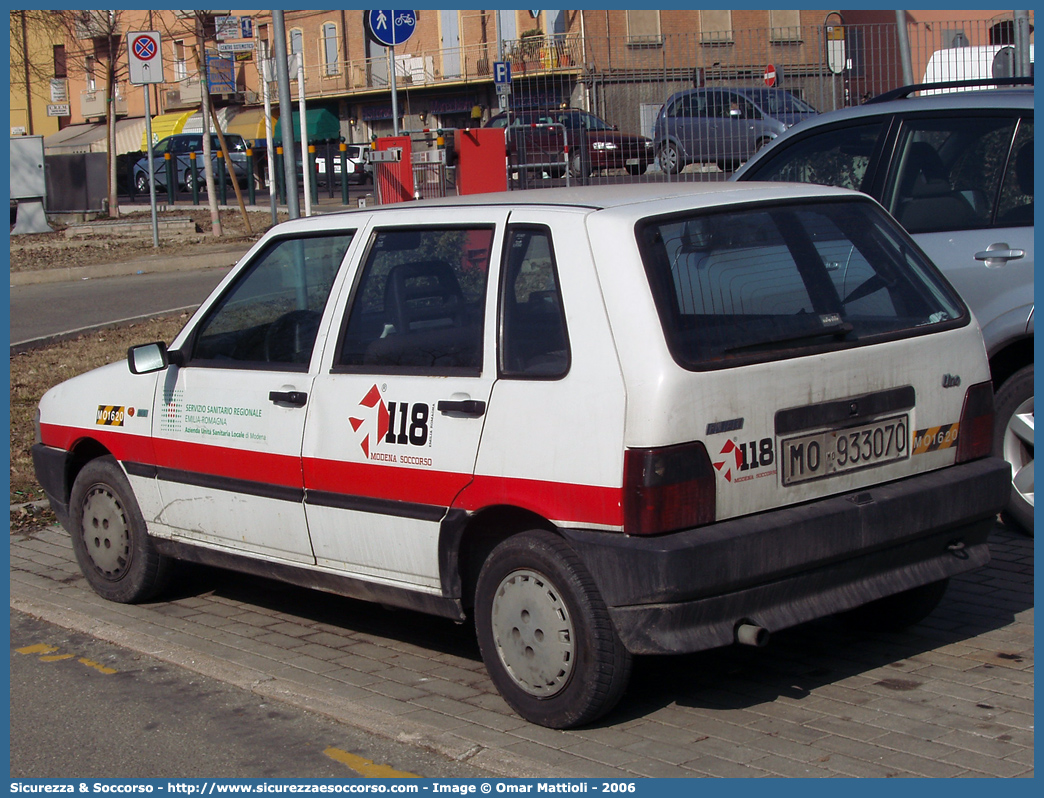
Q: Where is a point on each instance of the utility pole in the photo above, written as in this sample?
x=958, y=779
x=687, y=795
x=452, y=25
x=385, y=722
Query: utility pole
x=286, y=113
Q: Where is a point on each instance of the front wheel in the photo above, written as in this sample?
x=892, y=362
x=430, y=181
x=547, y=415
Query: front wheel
x=141, y=183
x=545, y=633
x=110, y=538
x=1013, y=440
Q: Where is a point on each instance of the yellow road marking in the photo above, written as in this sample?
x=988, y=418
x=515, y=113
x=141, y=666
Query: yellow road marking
x=39, y=648
x=96, y=665
x=46, y=655
x=364, y=767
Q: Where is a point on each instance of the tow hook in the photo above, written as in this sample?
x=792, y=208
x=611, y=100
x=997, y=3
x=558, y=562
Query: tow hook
x=957, y=550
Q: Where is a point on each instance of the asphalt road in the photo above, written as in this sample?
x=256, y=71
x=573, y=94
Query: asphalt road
x=49, y=309
x=85, y=708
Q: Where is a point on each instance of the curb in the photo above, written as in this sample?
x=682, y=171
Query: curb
x=225, y=257
x=372, y=721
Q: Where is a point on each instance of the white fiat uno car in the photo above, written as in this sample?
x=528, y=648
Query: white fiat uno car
x=600, y=422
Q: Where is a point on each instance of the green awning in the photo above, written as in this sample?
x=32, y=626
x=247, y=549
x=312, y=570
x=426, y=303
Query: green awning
x=322, y=126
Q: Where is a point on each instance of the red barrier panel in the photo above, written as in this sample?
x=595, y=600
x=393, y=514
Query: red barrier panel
x=393, y=176
x=481, y=165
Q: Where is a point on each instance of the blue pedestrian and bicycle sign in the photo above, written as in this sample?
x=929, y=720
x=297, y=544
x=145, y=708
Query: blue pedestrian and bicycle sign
x=391, y=27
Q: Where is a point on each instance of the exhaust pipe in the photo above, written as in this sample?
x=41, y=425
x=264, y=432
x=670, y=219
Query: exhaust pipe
x=749, y=634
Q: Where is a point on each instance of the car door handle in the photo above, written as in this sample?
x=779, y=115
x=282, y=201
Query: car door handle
x=996, y=255
x=465, y=407
x=293, y=398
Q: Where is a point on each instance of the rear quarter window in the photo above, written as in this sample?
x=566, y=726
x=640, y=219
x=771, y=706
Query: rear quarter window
x=771, y=282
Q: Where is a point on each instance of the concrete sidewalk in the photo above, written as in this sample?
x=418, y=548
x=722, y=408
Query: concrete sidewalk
x=952, y=696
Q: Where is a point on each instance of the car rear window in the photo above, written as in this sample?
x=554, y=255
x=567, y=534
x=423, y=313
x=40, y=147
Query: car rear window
x=769, y=282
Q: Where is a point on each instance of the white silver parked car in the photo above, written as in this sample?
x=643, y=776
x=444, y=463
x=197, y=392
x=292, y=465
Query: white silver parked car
x=596, y=422
x=956, y=170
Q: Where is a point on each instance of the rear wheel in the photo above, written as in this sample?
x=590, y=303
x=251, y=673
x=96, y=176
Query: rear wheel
x=1013, y=440
x=669, y=158
x=892, y=613
x=110, y=538
x=635, y=169
x=545, y=633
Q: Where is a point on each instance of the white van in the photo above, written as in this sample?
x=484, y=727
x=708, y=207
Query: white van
x=971, y=63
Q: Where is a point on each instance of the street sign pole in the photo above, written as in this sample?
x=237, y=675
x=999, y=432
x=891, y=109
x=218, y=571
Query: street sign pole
x=394, y=93
x=152, y=168
x=145, y=67
x=390, y=28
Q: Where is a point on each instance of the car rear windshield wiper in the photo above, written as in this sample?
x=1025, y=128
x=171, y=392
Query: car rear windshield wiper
x=838, y=329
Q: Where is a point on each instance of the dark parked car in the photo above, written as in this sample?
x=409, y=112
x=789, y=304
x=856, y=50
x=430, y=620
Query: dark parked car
x=722, y=126
x=594, y=144
x=179, y=146
x=956, y=170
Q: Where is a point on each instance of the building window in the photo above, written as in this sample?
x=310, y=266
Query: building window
x=716, y=27
x=643, y=29
x=785, y=26
x=331, y=59
x=180, y=67
x=60, y=64
x=89, y=69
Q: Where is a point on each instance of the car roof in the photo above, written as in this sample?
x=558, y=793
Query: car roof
x=955, y=101
x=636, y=200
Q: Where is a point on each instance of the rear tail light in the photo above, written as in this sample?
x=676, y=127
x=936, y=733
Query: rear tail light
x=975, y=436
x=667, y=489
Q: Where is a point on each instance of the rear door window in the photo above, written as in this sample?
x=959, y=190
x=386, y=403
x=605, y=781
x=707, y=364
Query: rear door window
x=1016, y=200
x=946, y=173
x=782, y=281
x=420, y=302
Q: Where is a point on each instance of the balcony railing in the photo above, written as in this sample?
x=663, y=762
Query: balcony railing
x=428, y=68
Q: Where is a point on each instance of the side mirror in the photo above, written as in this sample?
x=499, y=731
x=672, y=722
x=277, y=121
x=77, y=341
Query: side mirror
x=146, y=358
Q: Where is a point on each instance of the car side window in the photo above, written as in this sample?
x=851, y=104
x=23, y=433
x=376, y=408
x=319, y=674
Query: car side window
x=946, y=173
x=534, y=343
x=1015, y=207
x=837, y=157
x=271, y=314
x=419, y=303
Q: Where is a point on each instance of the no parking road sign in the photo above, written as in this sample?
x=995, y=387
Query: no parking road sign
x=143, y=54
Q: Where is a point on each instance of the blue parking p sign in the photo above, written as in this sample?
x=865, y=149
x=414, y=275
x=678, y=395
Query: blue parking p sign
x=501, y=72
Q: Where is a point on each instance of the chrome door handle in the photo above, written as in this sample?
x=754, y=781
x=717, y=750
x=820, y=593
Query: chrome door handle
x=996, y=255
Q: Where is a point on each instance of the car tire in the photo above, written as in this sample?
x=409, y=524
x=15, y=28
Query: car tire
x=1013, y=440
x=669, y=158
x=110, y=537
x=141, y=183
x=636, y=169
x=557, y=677
x=190, y=178
x=894, y=613
x=579, y=166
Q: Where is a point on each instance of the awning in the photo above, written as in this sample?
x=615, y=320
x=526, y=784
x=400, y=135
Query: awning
x=195, y=122
x=250, y=124
x=129, y=134
x=73, y=139
x=321, y=124
x=166, y=125
x=91, y=138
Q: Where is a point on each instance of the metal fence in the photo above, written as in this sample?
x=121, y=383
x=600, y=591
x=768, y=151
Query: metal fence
x=827, y=67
